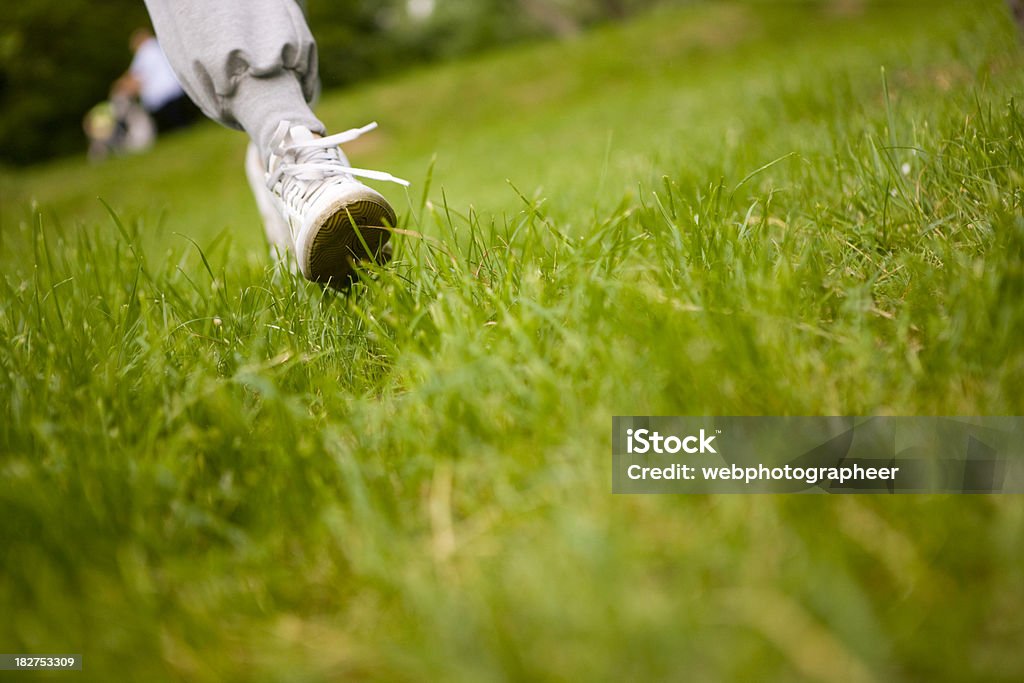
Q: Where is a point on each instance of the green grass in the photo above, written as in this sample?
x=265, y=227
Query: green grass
x=212, y=471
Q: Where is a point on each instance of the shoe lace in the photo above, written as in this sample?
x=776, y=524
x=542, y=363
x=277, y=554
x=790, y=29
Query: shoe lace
x=316, y=160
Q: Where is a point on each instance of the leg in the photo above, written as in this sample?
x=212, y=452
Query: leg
x=251, y=64
x=248, y=64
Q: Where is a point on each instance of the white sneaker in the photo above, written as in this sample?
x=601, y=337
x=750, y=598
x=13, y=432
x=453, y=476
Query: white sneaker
x=312, y=204
x=274, y=224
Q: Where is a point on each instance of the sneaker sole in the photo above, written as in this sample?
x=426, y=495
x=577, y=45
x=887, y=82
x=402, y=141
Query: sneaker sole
x=336, y=246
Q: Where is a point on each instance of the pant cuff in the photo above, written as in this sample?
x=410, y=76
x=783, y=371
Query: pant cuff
x=260, y=104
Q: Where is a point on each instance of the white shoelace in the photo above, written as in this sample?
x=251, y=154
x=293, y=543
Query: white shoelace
x=314, y=161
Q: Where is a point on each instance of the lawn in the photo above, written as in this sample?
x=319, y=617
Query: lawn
x=213, y=471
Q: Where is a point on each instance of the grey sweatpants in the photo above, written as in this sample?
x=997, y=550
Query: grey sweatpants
x=249, y=64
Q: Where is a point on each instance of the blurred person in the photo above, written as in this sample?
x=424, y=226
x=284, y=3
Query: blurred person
x=252, y=65
x=117, y=126
x=151, y=79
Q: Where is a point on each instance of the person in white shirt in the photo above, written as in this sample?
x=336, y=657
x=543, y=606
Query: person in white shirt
x=151, y=79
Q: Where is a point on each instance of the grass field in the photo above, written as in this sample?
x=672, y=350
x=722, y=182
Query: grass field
x=212, y=471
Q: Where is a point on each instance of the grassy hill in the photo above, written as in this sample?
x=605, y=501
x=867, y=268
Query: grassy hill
x=212, y=471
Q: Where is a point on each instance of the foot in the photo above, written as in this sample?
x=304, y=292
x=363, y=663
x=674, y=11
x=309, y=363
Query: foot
x=312, y=204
